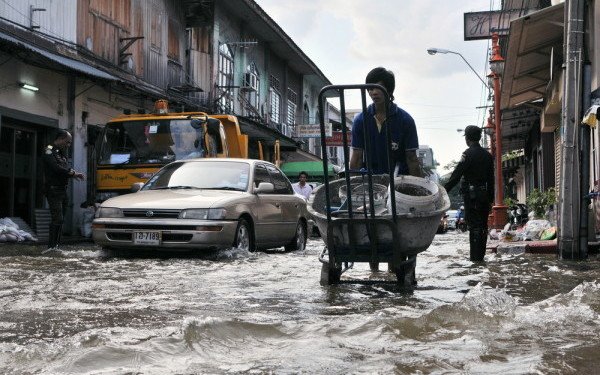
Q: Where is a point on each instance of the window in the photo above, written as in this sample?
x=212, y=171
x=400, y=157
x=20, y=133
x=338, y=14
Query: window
x=200, y=39
x=117, y=11
x=275, y=101
x=173, y=51
x=291, y=117
x=332, y=152
x=252, y=96
x=261, y=175
x=291, y=107
x=306, y=114
x=156, y=29
x=281, y=183
x=225, y=79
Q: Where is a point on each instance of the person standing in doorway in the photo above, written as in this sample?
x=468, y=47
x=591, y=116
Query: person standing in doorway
x=301, y=187
x=57, y=173
x=404, y=144
x=476, y=167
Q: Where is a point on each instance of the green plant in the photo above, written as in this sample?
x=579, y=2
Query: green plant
x=539, y=201
x=509, y=202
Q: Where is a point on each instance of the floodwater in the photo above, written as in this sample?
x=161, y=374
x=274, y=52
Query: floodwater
x=78, y=312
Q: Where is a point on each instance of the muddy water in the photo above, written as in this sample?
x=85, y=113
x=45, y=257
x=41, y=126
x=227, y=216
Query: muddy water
x=77, y=312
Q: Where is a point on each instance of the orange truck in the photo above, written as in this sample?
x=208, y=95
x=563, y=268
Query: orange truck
x=131, y=148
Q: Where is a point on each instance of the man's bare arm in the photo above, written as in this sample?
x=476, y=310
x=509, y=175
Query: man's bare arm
x=356, y=157
x=414, y=165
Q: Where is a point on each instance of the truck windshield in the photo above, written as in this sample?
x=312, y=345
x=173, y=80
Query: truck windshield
x=150, y=142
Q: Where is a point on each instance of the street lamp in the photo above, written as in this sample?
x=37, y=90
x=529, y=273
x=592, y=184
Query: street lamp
x=433, y=51
x=499, y=215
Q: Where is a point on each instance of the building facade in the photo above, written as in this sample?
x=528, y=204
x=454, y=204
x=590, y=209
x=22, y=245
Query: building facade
x=537, y=107
x=91, y=60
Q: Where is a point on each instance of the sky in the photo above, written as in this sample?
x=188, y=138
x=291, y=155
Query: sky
x=347, y=38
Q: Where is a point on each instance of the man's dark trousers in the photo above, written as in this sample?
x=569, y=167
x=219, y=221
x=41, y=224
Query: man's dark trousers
x=477, y=211
x=57, y=201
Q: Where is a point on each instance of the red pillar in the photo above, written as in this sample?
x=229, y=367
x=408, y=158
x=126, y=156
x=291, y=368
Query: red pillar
x=499, y=211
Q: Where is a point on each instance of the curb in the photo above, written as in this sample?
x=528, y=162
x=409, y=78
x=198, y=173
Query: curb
x=524, y=247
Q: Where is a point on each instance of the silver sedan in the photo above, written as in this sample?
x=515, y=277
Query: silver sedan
x=206, y=204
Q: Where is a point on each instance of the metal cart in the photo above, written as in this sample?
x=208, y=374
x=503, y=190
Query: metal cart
x=349, y=213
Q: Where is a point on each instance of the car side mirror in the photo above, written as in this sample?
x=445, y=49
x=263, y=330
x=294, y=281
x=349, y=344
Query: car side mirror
x=264, y=188
x=136, y=186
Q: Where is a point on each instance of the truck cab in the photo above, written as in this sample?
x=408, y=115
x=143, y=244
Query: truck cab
x=131, y=148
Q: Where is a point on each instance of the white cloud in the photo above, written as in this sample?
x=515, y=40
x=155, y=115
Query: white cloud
x=347, y=38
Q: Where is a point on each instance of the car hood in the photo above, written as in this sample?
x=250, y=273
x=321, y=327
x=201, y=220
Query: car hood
x=175, y=199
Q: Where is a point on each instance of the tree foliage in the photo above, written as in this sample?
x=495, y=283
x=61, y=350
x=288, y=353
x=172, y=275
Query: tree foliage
x=456, y=199
x=539, y=201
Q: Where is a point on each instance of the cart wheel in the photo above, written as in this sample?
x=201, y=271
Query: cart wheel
x=390, y=267
x=406, y=278
x=330, y=274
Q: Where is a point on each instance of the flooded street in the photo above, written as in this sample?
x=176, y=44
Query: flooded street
x=78, y=312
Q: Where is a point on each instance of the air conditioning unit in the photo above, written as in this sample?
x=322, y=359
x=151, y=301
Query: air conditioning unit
x=250, y=82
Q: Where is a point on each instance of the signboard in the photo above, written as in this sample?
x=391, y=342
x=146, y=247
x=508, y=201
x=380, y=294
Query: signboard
x=337, y=140
x=312, y=131
x=481, y=25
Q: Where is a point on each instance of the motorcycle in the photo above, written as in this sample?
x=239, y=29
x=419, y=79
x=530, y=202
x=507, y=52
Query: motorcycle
x=518, y=214
x=461, y=224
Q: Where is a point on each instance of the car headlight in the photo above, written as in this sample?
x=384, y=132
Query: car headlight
x=109, y=212
x=203, y=214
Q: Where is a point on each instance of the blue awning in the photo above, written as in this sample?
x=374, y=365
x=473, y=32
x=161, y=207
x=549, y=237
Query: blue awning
x=69, y=63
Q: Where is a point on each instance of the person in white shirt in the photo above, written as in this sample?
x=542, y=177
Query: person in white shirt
x=301, y=187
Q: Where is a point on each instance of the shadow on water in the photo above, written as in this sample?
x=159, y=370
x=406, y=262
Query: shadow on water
x=209, y=255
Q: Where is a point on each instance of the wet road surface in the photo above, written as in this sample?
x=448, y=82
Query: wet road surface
x=78, y=312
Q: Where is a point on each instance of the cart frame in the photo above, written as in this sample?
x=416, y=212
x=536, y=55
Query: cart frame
x=343, y=253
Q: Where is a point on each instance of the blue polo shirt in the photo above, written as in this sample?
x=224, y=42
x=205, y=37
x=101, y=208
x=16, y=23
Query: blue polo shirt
x=403, y=137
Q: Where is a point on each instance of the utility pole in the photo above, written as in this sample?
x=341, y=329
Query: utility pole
x=569, y=193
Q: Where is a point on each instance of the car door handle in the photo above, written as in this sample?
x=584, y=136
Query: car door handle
x=277, y=205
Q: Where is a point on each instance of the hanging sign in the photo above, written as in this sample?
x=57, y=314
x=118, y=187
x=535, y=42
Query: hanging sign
x=337, y=139
x=312, y=131
x=481, y=25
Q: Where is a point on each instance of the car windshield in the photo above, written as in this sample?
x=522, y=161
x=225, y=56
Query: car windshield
x=150, y=142
x=217, y=175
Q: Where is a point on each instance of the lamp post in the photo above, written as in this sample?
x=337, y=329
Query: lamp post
x=489, y=130
x=433, y=51
x=499, y=215
x=499, y=211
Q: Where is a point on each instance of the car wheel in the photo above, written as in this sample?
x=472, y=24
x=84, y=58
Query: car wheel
x=299, y=241
x=243, y=236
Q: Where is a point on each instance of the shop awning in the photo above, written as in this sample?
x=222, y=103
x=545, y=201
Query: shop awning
x=535, y=48
x=54, y=58
x=313, y=168
x=516, y=126
x=298, y=155
x=259, y=132
x=534, y=55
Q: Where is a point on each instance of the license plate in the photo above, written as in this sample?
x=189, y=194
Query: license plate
x=146, y=238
